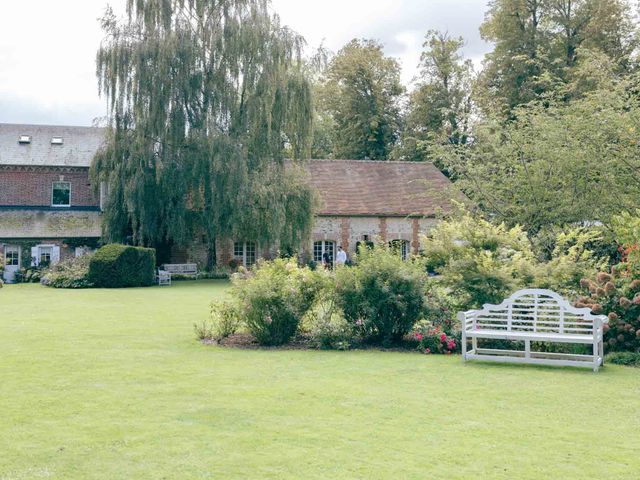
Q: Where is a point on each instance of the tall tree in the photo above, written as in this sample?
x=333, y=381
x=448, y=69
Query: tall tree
x=205, y=96
x=362, y=93
x=440, y=106
x=512, y=73
x=558, y=163
x=538, y=44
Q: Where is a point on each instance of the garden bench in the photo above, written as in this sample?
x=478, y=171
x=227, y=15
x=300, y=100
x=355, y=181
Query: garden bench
x=164, y=277
x=188, y=269
x=534, y=315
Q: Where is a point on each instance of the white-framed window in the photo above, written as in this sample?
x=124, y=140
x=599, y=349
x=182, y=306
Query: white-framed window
x=12, y=256
x=245, y=253
x=44, y=255
x=324, y=251
x=403, y=247
x=61, y=194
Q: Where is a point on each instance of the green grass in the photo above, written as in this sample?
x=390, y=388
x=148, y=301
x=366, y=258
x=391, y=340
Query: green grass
x=113, y=385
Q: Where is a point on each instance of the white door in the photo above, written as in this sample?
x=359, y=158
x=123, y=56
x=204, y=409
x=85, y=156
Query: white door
x=11, y=262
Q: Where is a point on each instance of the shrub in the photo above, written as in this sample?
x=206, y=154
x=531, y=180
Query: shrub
x=274, y=296
x=117, y=266
x=571, y=260
x=225, y=319
x=628, y=359
x=478, y=261
x=325, y=326
x=433, y=339
x=382, y=295
x=618, y=296
x=29, y=275
x=72, y=273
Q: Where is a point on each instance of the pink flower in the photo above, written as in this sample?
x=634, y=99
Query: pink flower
x=451, y=344
x=443, y=337
x=359, y=322
x=427, y=351
x=418, y=336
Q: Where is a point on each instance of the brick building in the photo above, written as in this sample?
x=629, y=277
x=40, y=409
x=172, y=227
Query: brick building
x=49, y=210
x=363, y=201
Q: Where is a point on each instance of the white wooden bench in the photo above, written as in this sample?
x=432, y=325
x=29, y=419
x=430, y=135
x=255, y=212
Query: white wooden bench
x=534, y=315
x=164, y=277
x=188, y=269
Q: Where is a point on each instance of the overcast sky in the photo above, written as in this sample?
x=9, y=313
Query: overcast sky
x=47, y=47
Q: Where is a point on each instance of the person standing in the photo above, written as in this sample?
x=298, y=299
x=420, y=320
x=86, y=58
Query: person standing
x=341, y=257
x=327, y=261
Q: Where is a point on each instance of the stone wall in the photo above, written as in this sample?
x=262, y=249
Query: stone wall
x=49, y=224
x=344, y=231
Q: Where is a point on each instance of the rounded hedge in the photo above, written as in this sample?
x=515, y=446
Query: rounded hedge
x=118, y=266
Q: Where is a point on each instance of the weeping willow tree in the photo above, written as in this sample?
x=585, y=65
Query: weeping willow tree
x=205, y=98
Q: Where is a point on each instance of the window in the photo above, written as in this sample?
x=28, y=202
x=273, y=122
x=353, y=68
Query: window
x=24, y=139
x=61, y=196
x=12, y=257
x=322, y=247
x=402, y=247
x=44, y=255
x=245, y=252
x=57, y=140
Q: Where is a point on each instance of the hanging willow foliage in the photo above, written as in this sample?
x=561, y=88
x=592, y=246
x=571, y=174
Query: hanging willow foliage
x=205, y=96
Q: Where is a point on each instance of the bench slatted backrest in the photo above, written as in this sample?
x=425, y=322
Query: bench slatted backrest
x=539, y=311
x=178, y=268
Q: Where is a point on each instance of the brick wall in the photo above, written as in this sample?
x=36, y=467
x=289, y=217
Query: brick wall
x=33, y=186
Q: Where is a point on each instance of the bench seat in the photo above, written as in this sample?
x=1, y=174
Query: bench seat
x=533, y=336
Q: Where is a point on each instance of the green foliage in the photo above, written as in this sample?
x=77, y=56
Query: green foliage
x=118, y=266
x=274, y=297
x=628, y=359
x=71, y=273
x=381, y=296
x=478, y=261
x=224, y=321
x=571, y=260
x=626, y=227
x=618, y=296
x=205, y=99
x=326, y=327
x=557, y=163
x=440, y=106
x=360, y=95
x=538, y=45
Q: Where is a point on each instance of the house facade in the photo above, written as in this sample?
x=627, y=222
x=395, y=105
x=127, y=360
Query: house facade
x=48, y=207
x=360, y=201
x=49, y=210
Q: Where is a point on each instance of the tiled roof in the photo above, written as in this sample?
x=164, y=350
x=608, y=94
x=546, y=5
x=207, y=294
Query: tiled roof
x=77, y=150
x=375, y=188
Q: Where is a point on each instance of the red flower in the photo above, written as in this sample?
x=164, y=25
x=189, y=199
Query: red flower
x=427, y=351
x=443, y=337
x=419, y=336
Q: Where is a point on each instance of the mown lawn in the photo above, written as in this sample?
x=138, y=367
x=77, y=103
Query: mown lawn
x=113, y=385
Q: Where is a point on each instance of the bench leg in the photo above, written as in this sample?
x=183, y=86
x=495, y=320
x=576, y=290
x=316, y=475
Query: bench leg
x=601, y=349
x=464, y=345
x=596, y=350
x=527, y=349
